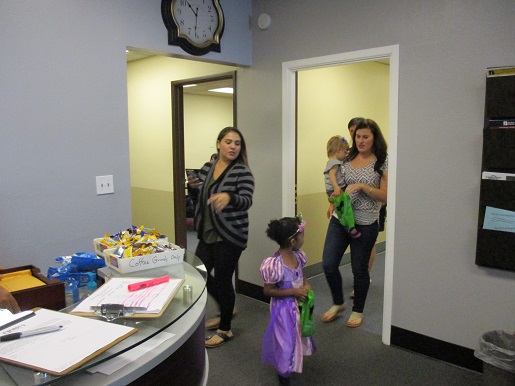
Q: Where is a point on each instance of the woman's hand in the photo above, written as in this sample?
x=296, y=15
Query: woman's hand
x=351, y=188
x=8, y=301
x=194, y=182
x=330, y=210
x=219, y=201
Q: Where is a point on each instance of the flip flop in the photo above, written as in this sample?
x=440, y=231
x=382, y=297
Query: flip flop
x=355, y=320
x=221, y=334
x=332, y=312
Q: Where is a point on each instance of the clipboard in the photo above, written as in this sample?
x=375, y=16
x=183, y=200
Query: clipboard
x=7, y=318
x=77, y=342
x=155, y=299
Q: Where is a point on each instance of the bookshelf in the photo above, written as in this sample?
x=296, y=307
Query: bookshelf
x=496, y=225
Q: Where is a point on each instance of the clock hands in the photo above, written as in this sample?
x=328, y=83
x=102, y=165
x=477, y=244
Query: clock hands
x=192, y=10
x=195, y=12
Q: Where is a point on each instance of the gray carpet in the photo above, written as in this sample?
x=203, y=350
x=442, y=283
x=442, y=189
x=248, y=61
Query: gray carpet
x=345, y=356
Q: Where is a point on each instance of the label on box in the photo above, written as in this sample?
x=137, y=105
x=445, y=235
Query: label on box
x=139, y=263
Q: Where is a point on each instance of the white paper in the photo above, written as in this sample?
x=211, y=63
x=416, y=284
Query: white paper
x=498, y=176
x=57, y=351
x=7, y=318
x=115, y=291
x=130, y=356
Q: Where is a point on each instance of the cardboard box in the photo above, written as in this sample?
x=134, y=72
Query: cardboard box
x=140, y=263
x=50, y=295
x=100, y=248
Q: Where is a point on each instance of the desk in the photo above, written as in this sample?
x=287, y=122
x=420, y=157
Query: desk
x=182, y=358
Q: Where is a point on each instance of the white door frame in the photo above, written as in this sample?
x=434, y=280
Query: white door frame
x=289, y=70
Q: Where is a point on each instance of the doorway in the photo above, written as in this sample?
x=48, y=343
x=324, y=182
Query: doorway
x=290, y=126
x=201, y=107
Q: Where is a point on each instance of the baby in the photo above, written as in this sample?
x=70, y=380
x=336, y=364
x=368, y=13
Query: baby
x=337, y=149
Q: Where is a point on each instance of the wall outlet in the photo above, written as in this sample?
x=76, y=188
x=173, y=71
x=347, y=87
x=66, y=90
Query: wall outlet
x=105, y=185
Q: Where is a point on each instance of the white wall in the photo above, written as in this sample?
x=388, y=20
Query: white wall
x=64, y=120
x=445, y=47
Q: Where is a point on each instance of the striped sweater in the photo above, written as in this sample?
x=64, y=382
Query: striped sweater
x=232, y=224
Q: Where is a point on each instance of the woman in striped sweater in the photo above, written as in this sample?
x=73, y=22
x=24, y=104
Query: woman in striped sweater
x=226, y=187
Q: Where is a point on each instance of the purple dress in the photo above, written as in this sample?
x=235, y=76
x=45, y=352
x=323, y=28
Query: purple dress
x=283, y=346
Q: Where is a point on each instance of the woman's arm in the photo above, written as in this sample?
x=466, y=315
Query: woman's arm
x=378, y=194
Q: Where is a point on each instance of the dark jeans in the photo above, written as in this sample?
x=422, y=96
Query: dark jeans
x=336, y=242
x=223, y=258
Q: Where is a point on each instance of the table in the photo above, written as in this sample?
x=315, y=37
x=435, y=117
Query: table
x=182, y=358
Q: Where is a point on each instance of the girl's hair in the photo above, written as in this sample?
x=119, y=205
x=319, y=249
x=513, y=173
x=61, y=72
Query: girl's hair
x=281, y=231
x=379, y=146
x=334, y=144
x=242, y=157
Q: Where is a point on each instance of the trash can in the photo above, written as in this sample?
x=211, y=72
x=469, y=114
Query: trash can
x=497, y=351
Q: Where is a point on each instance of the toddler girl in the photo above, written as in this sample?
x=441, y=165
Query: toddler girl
x=337, y=149
x=283, y=345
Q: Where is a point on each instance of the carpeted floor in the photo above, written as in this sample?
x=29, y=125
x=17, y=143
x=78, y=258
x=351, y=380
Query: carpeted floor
x=345, y=356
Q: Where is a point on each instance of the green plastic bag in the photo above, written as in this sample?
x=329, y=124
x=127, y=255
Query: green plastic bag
x=343, y=209
x=306, y=315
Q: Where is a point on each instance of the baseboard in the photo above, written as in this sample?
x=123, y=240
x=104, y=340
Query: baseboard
x=434, y=348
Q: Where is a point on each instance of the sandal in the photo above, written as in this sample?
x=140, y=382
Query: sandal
x=355, y=320
x=331, y=313
x=221, y=334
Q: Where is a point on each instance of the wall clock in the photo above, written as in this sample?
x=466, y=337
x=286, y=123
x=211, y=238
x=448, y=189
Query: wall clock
x=194, y=25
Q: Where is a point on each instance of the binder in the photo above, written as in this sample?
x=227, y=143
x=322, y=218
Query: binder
x=59, y=352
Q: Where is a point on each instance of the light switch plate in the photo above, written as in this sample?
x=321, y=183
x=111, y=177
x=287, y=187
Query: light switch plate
x=105, y=184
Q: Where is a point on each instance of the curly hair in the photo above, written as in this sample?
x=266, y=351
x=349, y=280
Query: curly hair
x=281, y=231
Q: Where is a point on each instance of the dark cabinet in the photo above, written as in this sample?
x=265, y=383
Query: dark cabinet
x=496, y=228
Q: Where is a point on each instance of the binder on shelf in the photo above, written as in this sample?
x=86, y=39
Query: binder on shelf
x=64, y=350
x=150, y=302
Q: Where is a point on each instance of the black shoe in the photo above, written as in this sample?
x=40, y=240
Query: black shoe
x=284, y=380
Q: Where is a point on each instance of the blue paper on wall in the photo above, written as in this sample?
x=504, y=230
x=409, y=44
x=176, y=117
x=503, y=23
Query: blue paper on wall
x=499, y=220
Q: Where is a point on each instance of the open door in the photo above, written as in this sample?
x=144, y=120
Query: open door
x=187, y=116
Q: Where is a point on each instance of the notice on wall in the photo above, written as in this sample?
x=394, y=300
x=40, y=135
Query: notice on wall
x=499, y=220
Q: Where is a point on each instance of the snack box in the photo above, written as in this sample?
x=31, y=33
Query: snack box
x=101, y=248
x=140, y=263
x=49, y=295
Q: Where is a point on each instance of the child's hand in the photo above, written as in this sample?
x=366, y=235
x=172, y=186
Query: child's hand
x=337, y=192
x=300, y=293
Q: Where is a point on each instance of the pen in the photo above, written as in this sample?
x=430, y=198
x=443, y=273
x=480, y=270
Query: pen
x=148, y=283
x=23, y=334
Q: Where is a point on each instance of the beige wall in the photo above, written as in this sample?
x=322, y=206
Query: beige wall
x=328, y=99
x=150, y=133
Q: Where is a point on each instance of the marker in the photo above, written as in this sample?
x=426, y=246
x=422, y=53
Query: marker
x=23, y=334
x=148, y=283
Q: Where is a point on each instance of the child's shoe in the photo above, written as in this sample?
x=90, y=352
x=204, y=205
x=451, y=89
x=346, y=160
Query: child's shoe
x=353, y=232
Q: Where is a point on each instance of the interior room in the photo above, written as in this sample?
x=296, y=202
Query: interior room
x=74, y=107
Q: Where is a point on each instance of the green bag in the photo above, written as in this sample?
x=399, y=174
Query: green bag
x=343, y=209
x=306, y=315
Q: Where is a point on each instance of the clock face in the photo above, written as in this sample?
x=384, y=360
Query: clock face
x=195, y=25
